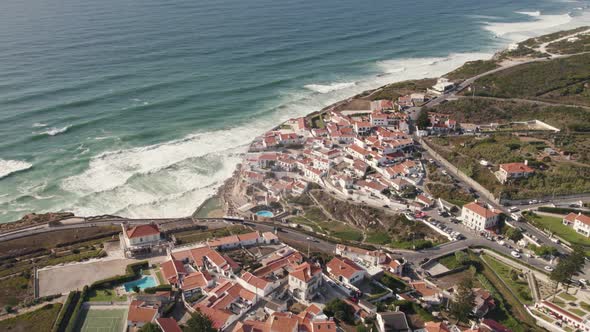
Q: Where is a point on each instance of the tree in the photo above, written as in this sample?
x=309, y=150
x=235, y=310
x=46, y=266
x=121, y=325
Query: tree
x=199, y=323
x=514, y=234
x=461, y=257
x=150, y=327
x=462, y=303
x=136, y=289
x=568, y=267
x=423, y=120
x=340, y=310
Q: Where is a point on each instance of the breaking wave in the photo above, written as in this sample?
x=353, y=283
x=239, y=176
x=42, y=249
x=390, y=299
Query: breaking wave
x=8, y=167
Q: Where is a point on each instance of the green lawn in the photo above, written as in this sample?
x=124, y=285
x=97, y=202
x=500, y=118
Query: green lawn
x=578, y=312
x=567, y=297
x=393, y=282
x=519, y=287
x=449, y=261
x=545, y=317
x=99, y=320
x=585, y=305
x=378, y=237
x=555, y=225
x=39, y=320
x=14, y=290
x=105, y=295
x=160, y=278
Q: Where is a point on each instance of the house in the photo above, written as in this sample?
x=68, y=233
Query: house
x=168, y=325
x=478, y=217
x=513, y=171
x=580, y=223
x=393, y=321
x=270, y=238
x=141, y=313
x=362, y=128
x=141, y=240
x=345, y=271
x=305, y=281
x=442, y=86
x=428, y=293
x=484, y=302
x=564, y=316
x=196, y=282
x=427, y=202
x=375, y=257
x=226, y=303
x=436, y=327
x=382, y=104
x=257, y=285
x=173, y=271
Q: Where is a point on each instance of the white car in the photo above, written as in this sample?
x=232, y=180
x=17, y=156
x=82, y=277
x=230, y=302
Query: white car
x=515, y=254
x=548, y=268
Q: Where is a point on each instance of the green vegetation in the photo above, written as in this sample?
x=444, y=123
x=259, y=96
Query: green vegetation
x=451, y=193
x=377, y=237
x=105, y=295
x=559, y=80
x=509, y=312
x=340, y=310
x=394, y=283
x=319, y=222
x=568, y=267
x=39, y=320
x=484, y=111
x=77, y=311
x=585, y=305
x=193, y=236
x=537, y=41
x=15, y=290
x=471, y=69
x=67, y=309
x=317, y=122
x=463, y=301
x=132, y=272
x=559, y=210
x=396, y=90
x=567, y=297
x=454, y=261
x=512, y=277
x=556, y=226
x=552, y=178
x=581, y=43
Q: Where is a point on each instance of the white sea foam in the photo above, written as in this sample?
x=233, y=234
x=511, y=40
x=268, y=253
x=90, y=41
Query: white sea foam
x=325, y=88
x=39, y=125
x=533, y=14
x=8, y=167
x=55, y=131
x=517, y=31
x=171, y=178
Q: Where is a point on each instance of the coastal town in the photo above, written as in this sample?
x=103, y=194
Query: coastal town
x=405, y=208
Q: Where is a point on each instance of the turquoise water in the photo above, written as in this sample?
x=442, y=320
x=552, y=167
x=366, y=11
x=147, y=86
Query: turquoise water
x=143, y=283
x=141, y=108
x=265, y=213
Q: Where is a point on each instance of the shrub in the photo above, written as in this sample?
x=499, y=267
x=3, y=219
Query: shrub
x=160, y=288
x=77, y=311
x=61, y=321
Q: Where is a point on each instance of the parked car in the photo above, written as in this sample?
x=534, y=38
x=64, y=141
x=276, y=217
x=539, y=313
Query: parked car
x=548, y=268
x=515, y=254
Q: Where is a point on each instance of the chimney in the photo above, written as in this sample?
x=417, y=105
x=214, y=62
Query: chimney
x=526, y=162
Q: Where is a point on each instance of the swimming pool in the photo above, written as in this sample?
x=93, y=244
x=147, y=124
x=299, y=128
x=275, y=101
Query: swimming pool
x=143, y=283
x=265, y=213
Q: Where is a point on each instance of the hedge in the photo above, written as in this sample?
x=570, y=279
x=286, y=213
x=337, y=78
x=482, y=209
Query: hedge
x=68, y=307
x=77, y=311
x=132, y=273
x=559, y=210
x=160, y=288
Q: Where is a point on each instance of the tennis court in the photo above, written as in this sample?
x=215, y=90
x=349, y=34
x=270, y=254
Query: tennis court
x=103, y=320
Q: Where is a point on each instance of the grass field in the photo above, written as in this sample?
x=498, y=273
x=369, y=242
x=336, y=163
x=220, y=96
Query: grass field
x=519, y=287
x=105, y=295
x=555, y=225
x=99, y=320
x=38, y=320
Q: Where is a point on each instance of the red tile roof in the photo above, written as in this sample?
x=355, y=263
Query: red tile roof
x=140, y=314
x=480, y=210
x=343, y=267
x=171, y=269
x=168, y=325
x=305, y=272
x=516, y=168
x=142, y=230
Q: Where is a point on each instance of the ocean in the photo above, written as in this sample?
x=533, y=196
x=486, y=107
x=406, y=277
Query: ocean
x=142, y=108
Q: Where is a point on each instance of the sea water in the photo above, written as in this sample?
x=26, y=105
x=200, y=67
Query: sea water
x=142, y=108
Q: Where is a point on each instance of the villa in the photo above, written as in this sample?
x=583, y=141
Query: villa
x=345, y=271
x=580, y=223
x=141, y=240
x=478, y=217
x=305, y=281
x=513, y=171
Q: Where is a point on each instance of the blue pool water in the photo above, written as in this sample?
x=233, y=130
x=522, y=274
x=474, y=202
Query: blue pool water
x=265, y=213
x=143, y=283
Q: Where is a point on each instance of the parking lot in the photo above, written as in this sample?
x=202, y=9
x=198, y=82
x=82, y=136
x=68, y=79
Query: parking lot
x=63, y=279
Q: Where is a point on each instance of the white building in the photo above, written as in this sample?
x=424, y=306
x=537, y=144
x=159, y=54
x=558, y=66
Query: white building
x=305, y=281
x=580, y=223
x=442, y=86
x=514, y=171
x=374, y=258
x=141, y=240
x=345, y=271
x=479, y=217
